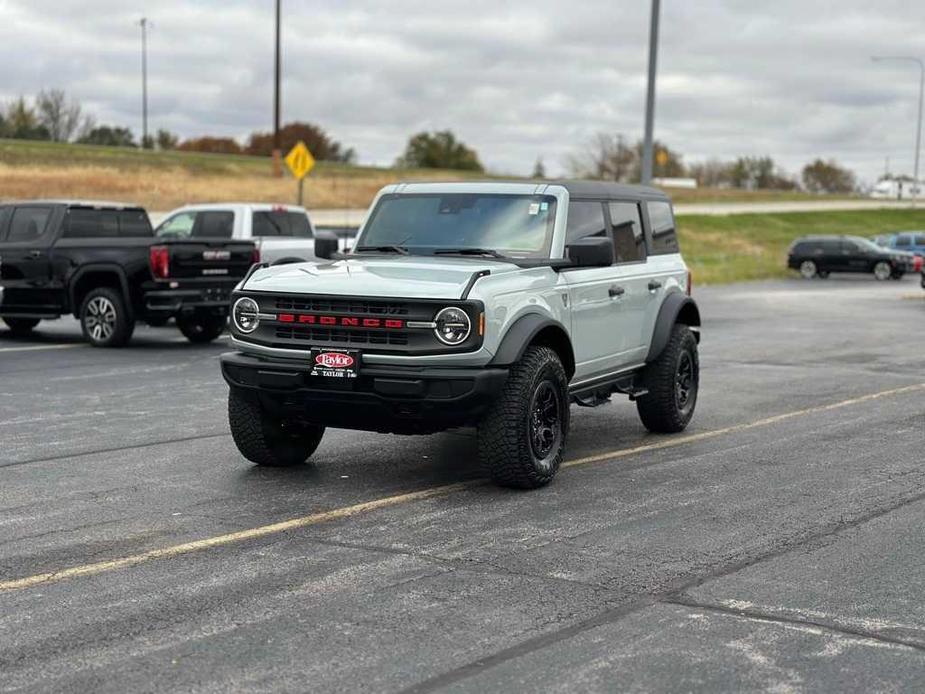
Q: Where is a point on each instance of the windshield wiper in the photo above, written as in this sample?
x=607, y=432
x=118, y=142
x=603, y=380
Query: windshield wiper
x=401, y=250
x=469, y=251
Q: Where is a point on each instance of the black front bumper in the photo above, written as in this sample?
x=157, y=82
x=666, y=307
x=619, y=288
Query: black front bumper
x=393, y=399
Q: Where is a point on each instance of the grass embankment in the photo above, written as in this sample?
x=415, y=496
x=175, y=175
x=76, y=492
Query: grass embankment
x=742, y=247
x=164, y=180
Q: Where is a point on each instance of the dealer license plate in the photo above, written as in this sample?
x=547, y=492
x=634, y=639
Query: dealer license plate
x=335, y=363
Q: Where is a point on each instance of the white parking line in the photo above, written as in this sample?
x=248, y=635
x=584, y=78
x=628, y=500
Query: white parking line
x=36, y=348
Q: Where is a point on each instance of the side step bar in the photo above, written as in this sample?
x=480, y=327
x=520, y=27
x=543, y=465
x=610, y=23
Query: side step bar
x=598, y=391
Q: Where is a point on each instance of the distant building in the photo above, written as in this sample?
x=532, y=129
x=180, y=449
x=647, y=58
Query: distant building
x=675, y=182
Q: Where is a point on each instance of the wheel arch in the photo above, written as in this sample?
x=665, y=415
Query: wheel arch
x=676, y=308
x=92, y=276
x=535, y=329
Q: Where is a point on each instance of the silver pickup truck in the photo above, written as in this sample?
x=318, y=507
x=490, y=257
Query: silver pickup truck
x=494, y=305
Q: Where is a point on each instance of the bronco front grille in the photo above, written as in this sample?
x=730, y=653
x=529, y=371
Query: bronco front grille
x=349, y=306
x=397, y=338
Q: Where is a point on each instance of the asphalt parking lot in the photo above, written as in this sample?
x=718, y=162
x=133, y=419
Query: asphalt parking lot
x=775, y=545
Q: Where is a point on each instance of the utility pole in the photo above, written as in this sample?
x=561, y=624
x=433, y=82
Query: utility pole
x=144, y=83
x=647, y=153
x=918, y=130
x=277, y=152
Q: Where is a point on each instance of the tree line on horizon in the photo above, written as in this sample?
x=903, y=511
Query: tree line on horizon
x=54, y=117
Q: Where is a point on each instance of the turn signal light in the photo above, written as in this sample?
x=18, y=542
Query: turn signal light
x=159, y=257
x=690, y=282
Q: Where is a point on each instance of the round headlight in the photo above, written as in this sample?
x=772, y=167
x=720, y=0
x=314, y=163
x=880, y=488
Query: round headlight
x=453, y=326
x=244, y=315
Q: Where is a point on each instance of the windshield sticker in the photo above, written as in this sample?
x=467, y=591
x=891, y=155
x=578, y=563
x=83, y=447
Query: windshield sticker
x=544, y=206
x=534, y=208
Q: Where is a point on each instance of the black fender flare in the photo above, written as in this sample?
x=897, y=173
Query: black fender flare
x=522, y=333
x=674, y=305
x=98, y=267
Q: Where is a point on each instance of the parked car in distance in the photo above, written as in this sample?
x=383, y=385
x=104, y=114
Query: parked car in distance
x=486, y=304
x=102, y=263
x=282, y=233
x=910, y=241
x=817, y=256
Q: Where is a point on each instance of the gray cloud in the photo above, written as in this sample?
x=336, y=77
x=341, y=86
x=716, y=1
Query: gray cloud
x=515, y=80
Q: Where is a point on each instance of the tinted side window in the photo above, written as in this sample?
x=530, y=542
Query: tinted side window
x=28, y=223
x=903, y=241
x=82, y=223
x=919, y=240
x=628, y=240
x=585, y=219
x=214, y=225
x=664, y=238
x=830, y=246
x=134, y=223
x=803, y=247
x=281, y=224
x=4, y=218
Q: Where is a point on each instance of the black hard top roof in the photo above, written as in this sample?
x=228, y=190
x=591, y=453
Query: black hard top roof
x=607, y=189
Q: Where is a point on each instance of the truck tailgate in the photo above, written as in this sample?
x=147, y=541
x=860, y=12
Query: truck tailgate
x=203, y=258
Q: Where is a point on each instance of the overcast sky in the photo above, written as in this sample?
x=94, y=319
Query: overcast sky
x=516, y=80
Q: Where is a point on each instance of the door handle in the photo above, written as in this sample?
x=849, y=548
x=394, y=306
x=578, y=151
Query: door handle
x=615, y=291
x=35, y=254
x=654, y=284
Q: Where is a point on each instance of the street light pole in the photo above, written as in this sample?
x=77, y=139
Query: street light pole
x=277, y=153
x=647, y=153
x=144, y=82
x=918, y=130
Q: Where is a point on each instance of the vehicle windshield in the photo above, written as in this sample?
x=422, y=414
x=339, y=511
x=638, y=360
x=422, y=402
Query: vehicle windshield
x=867, y=244
x=516, y=226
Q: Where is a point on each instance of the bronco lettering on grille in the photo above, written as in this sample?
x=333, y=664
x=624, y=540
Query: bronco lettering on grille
x=342, y=321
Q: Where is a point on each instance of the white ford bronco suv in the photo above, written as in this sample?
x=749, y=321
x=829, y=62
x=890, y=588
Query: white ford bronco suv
x=494, y=305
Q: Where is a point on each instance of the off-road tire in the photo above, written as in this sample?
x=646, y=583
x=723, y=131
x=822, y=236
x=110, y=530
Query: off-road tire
x=105, y=305
x=661, y=409
x=201, y=329
x=265, y=439
x=21, y=327
x=505, y=432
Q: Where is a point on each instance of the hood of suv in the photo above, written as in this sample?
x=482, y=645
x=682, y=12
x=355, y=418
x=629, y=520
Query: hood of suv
x=410, y=276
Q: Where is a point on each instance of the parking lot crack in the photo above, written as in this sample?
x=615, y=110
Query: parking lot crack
x=802, y=620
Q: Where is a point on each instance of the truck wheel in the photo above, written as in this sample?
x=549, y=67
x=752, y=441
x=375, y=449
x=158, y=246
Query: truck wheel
x=265, y=439
x=21, y=327
x=200, y=329
x=104, y=318
x=522, y=436
x=672, y=381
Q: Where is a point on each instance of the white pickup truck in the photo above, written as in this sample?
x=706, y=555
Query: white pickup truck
x=282, y=233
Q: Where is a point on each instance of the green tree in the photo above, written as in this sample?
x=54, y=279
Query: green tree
x=22, y=122
x=112, y=136
x=166, y=140
x=319, y=143
x=539, y=170
x=438, y=150
x=666, y=163
x=827, y=177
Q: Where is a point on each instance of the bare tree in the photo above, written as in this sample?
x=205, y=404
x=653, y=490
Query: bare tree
x=607, y=157
x=59, y=115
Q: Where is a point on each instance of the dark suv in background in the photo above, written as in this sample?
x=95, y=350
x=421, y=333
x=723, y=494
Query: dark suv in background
x=817, y=256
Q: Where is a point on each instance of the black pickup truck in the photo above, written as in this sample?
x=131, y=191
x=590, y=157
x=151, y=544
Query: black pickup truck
x=102, y=263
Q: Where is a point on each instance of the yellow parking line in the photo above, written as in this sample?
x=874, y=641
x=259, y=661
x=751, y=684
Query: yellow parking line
x=398, y=499
x=36, y=348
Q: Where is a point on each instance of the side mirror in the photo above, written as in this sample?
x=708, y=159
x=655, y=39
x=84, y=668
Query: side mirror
x=591, y=251
x=325, y=245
